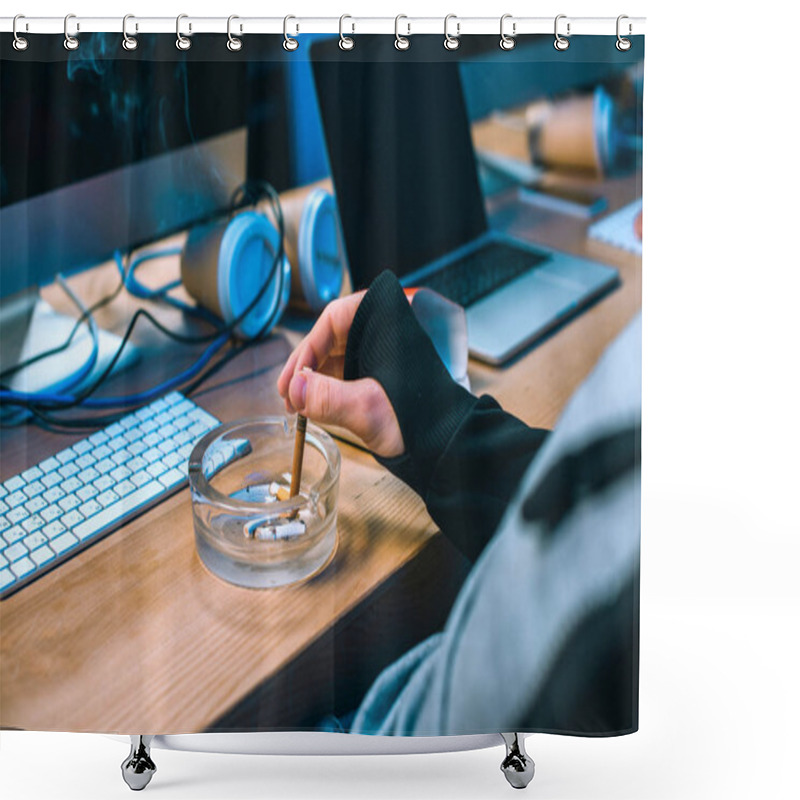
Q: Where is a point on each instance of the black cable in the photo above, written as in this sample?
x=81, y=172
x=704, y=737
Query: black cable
x=81, y=396
x=60, y=348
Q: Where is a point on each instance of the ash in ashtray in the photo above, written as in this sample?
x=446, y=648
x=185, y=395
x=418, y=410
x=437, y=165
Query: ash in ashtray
x=286, y=525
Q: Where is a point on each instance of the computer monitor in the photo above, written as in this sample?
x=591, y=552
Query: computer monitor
x=102, y=150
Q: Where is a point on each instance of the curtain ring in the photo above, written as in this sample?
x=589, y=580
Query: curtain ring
x=20, y=42
x=233, y=44
x=623, y=44
x=452, y=42
x=182, y=42
x=70, y=42
x=288, y=42
x=561, y=43
x=345, y=42
x=507, y=42
x=401, y=42
x=128, y=42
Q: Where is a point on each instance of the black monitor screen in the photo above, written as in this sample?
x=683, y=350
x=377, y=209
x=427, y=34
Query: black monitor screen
x=69, y=122
x=401, y=158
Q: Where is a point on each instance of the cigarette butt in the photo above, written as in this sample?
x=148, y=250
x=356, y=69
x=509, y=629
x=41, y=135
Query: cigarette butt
x=282, y=493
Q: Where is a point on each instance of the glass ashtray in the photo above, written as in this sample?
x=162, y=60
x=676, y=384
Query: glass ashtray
x=247, y=530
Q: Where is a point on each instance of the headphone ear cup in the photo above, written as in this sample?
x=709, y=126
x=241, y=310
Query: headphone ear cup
x=320, y=250
x=225, y=265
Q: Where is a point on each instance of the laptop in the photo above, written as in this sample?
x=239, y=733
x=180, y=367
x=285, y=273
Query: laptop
x=409, y=199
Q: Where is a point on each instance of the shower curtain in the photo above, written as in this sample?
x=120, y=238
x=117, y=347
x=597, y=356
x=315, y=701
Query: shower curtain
x=485, y=575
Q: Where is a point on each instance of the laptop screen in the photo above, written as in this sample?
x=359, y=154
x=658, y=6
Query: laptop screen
x=401, y=157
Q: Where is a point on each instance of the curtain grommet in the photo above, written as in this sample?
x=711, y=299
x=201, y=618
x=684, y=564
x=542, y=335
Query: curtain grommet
x=560, y=42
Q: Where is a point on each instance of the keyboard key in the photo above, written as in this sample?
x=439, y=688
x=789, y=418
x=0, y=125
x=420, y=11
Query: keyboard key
x=172, y=478
x=137, y=448
x=23, y=567
x=116, y=510
x=42, y=555
x=32, y=474
x=63, y=542
x=114, y=430
x=90, y=508
x=65, y=456
x=54, y=494
x=149, y=426
x=128, y=422
x=172, y=398
x=124, y=488
x=3, y=507
x=89, y=475
x=35, y=540
x=156, y=469
x=68, y=470
x=87, y=492
x=14, y=484
x=71, y=485
x=117, y=443
x=4, y=524
x=107, y=498
x=120, y=473
x=152, y=455
x=71, y=519
x=145, y=412
x=82, y=447
x=14, y=535
x=69, y=502
x=104, y=451
x=121, y=456
x=48, y=465
x=141, y=478
x=16, y=499
x=14, y=552
x=33, y=523
x=33, y=489
x=173, y=459
x=3, y=491
x=167, y=446
x=98, y=438
x=53, y=529
x=37, y=504
x=204, y=418
x=86, y=460
x=137, y=464
x=103, y=483
x=51, y=479
x=104, y=466
x=51, y=512
x=133, y=434
x=7, y=577
x=17, y=514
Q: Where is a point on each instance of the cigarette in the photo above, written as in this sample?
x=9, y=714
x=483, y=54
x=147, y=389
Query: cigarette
x=297, y=461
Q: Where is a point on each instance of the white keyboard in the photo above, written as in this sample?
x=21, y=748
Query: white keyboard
x=57, y=508
x=617, y=229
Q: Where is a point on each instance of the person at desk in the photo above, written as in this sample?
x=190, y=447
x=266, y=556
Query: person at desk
x=544, y=630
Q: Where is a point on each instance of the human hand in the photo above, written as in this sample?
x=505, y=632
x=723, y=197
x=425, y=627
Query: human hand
x=311, y=384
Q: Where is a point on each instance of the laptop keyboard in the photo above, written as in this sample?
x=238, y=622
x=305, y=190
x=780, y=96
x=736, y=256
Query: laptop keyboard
x=481, y=272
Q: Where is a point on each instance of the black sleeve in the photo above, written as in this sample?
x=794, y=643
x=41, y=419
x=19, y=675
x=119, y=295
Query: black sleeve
x=463, y=455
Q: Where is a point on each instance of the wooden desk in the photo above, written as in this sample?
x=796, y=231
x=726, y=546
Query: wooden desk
x=134, y=635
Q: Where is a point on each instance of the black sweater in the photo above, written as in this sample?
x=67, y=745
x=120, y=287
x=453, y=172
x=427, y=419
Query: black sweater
x=463, y=455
